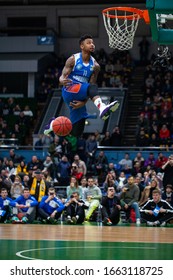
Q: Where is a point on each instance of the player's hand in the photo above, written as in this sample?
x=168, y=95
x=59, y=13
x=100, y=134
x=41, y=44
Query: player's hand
x=77, y=104
x=65, y=81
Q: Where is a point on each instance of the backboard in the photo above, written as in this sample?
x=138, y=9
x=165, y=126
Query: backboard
x=161, y=20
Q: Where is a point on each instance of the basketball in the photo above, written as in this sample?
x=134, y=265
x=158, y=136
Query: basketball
x=62, y=126
x=20, y=215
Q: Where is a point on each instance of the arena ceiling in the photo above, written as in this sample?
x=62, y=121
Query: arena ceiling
x=66, y=2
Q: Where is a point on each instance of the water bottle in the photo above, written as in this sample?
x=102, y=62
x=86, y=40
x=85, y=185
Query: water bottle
x=99, y=216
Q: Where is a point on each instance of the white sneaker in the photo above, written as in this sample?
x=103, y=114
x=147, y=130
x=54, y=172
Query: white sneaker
x=107, y=109
x=156, y=223
x=150, y=223
x=163, y=224
x=48, y=127
x=138, y=222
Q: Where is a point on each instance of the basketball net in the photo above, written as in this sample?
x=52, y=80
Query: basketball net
x=120, y=28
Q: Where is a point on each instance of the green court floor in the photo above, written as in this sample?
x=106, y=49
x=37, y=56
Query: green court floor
x=80, y=250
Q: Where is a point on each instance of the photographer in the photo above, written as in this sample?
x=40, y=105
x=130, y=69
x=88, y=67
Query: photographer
x=50, y=207
x=167, y=169
x=75, y=172
x=75, y=209
x=16, y=188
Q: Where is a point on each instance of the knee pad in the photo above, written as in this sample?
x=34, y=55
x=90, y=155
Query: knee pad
x=92, y=91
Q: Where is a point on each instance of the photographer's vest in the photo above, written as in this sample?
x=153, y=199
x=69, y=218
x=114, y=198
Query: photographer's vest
x=42, y=188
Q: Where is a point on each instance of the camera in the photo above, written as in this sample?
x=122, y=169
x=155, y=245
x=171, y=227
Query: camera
x=51, y=193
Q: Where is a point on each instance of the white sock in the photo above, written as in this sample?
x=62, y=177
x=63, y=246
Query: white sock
x=51, y=124
x=99, y=104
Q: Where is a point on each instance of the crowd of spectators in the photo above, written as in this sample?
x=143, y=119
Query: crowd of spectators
x=15, y=121
x=132, y=181
x=154, y=124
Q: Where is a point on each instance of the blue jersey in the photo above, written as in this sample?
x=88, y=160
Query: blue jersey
x=80, y=76
x=30, y=201
x=81, y=71
x=4, y=202
x=52, y=205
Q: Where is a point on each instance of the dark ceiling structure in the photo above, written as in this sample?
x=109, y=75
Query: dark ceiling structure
x=68, y=2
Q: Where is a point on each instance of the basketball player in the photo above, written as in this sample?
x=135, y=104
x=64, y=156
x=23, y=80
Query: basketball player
x=78, y=78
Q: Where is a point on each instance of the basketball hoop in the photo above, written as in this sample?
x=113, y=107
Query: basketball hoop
x=121, y=24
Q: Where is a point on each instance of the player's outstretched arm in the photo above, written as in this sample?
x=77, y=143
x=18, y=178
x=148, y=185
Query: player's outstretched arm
x=64, y=80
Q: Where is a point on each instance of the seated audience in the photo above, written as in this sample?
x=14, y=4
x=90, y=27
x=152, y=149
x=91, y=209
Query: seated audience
x=168, y=194
x=75, y=209
x=74, y=187
x=92, y=196
x=129, y=199
x=50, y=207
x=24, y=208
x=5, y=202
x=16, y=187
x=110, y=207
x=157, y=212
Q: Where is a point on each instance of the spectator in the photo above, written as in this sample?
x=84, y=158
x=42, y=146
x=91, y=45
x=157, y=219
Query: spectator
x=142, y=139
x=126, y=164
x=150, y=161
x=50, y=207
x=139, y=158
x=75, y=172
x=110, y=181
x=81, y=147
x=25, y=204
x=16, y=187
x=5, y=202
x=34, y=164
x=129, y=199
x=92, y=195
x=27, y=111
x=63, y=171
x=15, y=157
x=38, y=186
x=106, y=139
x=91, y=148
x=167, y=169
x=80, y=164
x=74, y=187
x=168, y=194
x=83, y=184
x=147, y=192
x=160, y=161
x=47, y=164
x=21, y=169
x=157, y=212
x=110, y=207
x=100, y=165
x=122, y=180
x=75, y=209
x=164, y=134
x=55, y=150
x=116, y=137
x=137, y=169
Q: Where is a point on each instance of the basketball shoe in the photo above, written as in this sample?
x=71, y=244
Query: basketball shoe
x=107, y=222
x=107, y=109
x=48, y=127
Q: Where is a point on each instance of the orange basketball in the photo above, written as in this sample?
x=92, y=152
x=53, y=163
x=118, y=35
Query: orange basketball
x=62, y=126
x=20, y=215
